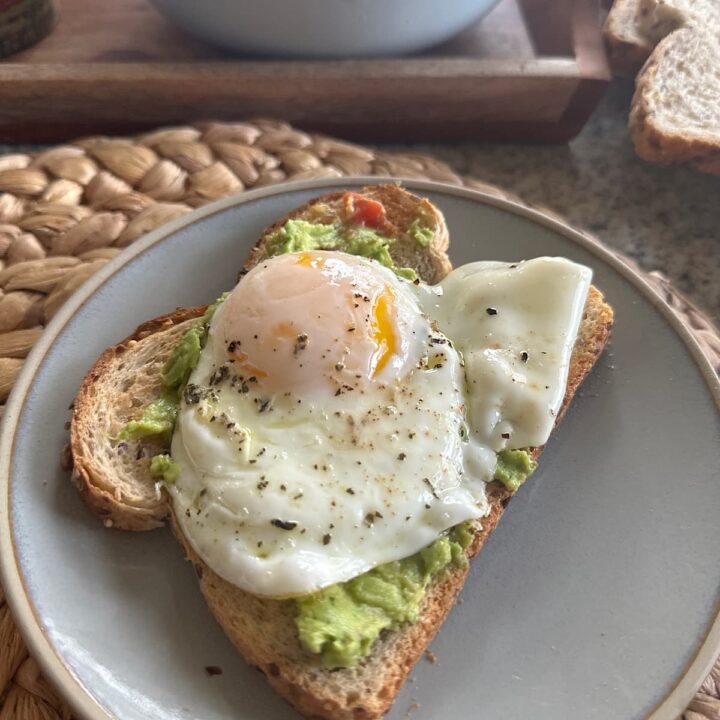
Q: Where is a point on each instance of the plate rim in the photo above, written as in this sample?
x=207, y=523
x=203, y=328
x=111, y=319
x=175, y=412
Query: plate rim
x=70, y=687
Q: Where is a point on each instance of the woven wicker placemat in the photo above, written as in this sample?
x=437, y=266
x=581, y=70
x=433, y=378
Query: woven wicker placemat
x=66, y=211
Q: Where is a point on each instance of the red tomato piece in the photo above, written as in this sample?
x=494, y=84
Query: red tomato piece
x=361, y=209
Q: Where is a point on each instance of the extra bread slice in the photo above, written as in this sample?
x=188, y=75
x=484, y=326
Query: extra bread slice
x=627, y=40
x=675, y=114
x=123, y=493
x=634, y=27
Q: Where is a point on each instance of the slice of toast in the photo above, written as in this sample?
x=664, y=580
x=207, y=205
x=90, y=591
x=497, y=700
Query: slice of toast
x=675, y=114
x=634, y=27
x=628, y=42
x=115, y=482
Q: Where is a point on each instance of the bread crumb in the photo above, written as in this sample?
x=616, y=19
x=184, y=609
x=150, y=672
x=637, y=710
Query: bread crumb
x=430, y=656
x=460, y=601
x=108, y=523
x=211, y=670
x=413, y=708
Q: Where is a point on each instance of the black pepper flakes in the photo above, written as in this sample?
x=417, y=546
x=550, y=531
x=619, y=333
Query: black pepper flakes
x=326, y=539
x=284, y=524
x=300, y=343
x=491, y=311
x=505, y=436
x=219, y=375
x=193, y=394
x=401, y=456
x=432, y=489
x=524, y=356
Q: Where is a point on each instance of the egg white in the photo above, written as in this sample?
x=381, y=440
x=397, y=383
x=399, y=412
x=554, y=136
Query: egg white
x=285, y=494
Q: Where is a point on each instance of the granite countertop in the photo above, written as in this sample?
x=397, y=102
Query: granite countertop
x=666, y=218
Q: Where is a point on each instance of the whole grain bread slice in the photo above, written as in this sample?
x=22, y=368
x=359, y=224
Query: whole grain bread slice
x=124, y=494
x=628, y=42
x=675, y=114
x=634, y=27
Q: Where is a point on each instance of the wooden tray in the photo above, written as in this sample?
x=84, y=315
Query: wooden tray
x=531, y=70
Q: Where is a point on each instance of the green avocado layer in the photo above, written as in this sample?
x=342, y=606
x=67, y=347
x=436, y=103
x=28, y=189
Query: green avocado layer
x=513, y=468
x=158, y=418
x=303, y=236
x=164, y=468
x=341, y=622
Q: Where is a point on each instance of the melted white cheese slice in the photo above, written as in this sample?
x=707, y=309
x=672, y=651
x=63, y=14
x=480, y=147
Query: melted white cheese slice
x=515, y=325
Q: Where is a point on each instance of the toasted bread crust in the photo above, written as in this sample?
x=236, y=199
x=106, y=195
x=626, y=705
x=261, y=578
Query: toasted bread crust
x=88, y=474
x=262, y=629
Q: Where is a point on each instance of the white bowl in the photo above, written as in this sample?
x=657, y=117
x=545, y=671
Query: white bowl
x=324, y=28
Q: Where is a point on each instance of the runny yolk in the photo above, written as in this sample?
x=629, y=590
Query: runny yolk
x=382, y=330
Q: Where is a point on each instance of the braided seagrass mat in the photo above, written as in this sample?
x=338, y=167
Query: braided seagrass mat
x=66, y=211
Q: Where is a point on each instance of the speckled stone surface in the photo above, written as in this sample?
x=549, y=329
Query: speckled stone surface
x=666, y=218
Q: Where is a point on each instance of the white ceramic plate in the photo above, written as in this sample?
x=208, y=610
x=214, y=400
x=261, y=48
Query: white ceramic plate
x=597, y=597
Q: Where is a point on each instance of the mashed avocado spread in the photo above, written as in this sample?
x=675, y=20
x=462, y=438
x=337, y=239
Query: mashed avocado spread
x=513, y=468
x=158, y=418
x=300, y=235
x=422, y=234
x=164, y=468
x=339, y=623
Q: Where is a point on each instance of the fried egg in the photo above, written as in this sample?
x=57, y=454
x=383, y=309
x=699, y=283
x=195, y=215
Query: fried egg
x=341, y=417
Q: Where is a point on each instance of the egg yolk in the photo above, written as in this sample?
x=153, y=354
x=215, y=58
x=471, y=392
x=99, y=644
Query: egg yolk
x=318, y=321
x=382, y=330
